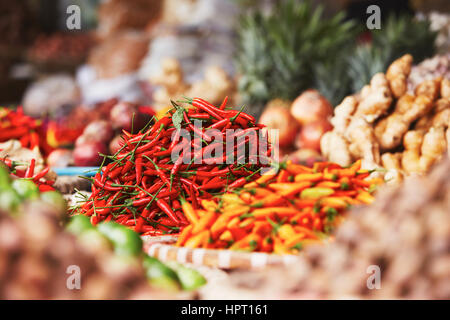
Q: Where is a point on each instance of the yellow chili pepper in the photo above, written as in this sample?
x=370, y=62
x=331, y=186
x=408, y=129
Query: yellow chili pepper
x=308, y=177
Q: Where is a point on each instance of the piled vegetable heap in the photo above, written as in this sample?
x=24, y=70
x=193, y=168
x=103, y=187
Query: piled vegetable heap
x=386, y=125
x=279, y=212
x=142, y=186
x=17, y=125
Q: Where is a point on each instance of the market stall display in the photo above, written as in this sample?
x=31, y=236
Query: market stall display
x=202, y=149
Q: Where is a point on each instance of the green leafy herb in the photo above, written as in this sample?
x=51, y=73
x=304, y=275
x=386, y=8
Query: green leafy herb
x=177, y=117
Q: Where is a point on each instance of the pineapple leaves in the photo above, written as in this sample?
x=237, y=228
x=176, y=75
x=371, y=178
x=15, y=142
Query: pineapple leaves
x=277, y=52
x=296, y=47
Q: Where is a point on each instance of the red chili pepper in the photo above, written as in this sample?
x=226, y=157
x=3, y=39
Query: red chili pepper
x=224, y=103
x=138, y=170
x=164, y=206
x=207, y=107
x=30, y=170
x=45, y=188
x=127, y=167
x=41, y=174
x=201, y=116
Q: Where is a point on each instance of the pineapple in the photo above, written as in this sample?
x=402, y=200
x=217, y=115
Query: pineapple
x=332, y=79
x=277, y=52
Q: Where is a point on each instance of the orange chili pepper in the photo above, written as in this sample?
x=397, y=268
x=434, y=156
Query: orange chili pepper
x=197, y=240
x=271, y=200
x=189, y=211
x=298, y=168
x=184, y=235
x=204, y=222
x=283, y=176
x=361, y=183
x=279, y=211
x=328, y=184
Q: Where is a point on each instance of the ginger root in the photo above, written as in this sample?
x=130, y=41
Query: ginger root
x=406, y=138
x=343, y=114
x=429, y=88
x=397, y=75
x=376, y=101
x=392, y=163
x=390, y=130
x=411, y=156
x=335, y=148
x=433, y=147
x=445, y=88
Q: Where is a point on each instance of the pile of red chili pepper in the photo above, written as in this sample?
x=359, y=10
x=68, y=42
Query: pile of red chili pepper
x=17, y=125
x=142, y=187
x=29, y=173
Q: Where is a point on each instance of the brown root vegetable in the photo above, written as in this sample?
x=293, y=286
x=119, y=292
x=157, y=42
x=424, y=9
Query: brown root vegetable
x=343, y=114
x=383, y=124
x=311, y=106
x=411, y=156
x=362, y=135
x=277, y=116
x=445, y=88
x=86, y=155
x=60, y=158
x=433, y=147
x=335, y=148
x=429, y=88
x=376, y=101
x=392, y=162
x=397, y=75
